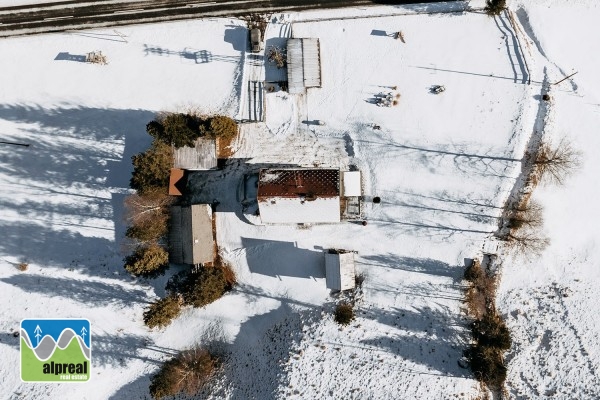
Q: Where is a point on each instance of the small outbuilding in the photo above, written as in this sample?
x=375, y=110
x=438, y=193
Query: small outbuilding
x=191, y=239
x=340, y=272
x=203, y=156
x=177, y=182
x=296, y=196
x=303, y=64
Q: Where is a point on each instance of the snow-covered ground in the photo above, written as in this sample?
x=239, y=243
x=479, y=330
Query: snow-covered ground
x=549, y=301
x=442, y=165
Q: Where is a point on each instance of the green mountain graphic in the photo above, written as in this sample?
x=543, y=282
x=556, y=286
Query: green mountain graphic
x=32, y=369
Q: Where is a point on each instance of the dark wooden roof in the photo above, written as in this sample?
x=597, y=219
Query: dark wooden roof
x=292, y=183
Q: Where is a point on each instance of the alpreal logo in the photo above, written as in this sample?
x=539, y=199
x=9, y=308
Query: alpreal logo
x=55, y=350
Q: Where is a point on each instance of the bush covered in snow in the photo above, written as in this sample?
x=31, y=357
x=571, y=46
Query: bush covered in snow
x=148, y=260
x=187, y=373
x=161, y=312
x=344, y=313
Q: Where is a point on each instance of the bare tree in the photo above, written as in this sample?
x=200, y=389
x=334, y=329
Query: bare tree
x=555, y=162
x=529, y=214
x=530, y=242
x=147, y=215
x=147, y=206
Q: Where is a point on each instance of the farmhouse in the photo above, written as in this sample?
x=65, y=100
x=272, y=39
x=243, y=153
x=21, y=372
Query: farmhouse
x=287, y=196
x=339, y=269
x=303, y=64
x=191, y=238
x=203, y=156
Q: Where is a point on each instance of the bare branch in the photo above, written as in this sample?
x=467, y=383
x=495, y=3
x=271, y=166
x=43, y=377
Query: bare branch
x=529, y=215
x=556, y=162
x=532, y=242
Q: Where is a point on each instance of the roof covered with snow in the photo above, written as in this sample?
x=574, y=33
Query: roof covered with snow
x=352, y=185
x=288, y=196
x=191, y=236
x=339, y=270
x=303, y=64
x=202, y=156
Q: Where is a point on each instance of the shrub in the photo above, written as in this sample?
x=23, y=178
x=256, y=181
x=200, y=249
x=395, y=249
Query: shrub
x=491, y=331
x=473, y=271
x=222, y=127
x=203, y=287
x=487, y=365
x=494, y=7
x=228, y=275
x=187, y=373
x=480, y=294
x=152, y=168
x=162, y=312
x=150, y=260
x=344, y=313
x=180, y=130
x=23, y=267
x=359, y=279
x=155, y=129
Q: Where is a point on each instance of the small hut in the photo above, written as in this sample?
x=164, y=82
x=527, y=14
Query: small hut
x=340, y=273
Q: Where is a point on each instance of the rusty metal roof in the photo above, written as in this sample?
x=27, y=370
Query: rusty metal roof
x=293, y=183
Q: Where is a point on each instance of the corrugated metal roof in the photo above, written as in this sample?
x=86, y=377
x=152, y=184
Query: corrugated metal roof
x=352, y=184
x=339, y=271
x=202, y=156
x=294, y=66
x=303, y=64
x=306, y=182
x=311, y=62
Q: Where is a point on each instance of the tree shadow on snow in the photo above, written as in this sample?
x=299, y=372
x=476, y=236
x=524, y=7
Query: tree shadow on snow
x=434, y=339
x=136, y=390
x=411, y=264
x=484, y=163
x=254, y=369
x=76, y=156
x=91, y=293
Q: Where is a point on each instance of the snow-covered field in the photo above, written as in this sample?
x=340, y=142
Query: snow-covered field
x=442, y=164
